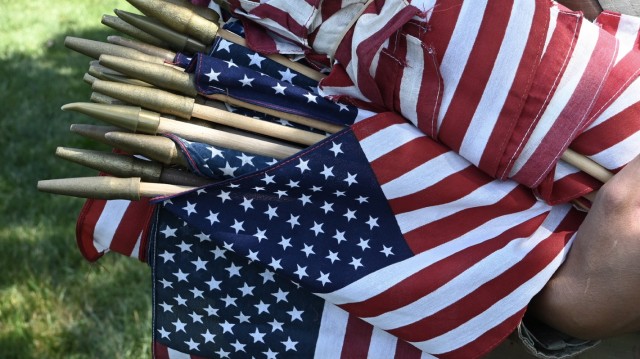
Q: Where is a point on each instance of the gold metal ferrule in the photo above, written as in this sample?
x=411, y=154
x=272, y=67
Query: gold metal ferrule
x=94, y=49
x=132, y=118
x=179, y=18
x=179, y=42
x=149, y=98
x=124, y=27
x=113, y=164
x=93, y=187
x=157, y=148
x=149, y=49
x=159, y=75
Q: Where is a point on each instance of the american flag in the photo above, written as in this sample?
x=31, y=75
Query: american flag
x=347, y=220
x=443, y=252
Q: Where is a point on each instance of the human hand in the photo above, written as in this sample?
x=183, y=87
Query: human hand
x=596, y=292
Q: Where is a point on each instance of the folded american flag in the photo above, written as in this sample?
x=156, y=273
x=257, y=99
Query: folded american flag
x=381, y=220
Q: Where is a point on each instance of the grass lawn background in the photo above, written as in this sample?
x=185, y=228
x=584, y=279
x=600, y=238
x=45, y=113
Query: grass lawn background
x=54, y=304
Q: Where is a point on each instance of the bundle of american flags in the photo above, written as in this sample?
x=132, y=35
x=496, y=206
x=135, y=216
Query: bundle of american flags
x=422, y=229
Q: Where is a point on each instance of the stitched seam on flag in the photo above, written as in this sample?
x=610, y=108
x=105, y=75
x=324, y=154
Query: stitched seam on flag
x=434, y=116
x=152, y=255
x=569, y=138
x=516, y=63
x=546, y=101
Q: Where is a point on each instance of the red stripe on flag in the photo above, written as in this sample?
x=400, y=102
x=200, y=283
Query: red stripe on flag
x=609, y=133
x=388, y=74
x=609, y=21
x=406, y=158
x=85, y=226
x=567, y=188
x=443, y=22
x=160, y=351
x=266, y=11
x=405, y=350
x=356, y=339
x=447, y=190
x=623, y=74
x=134, y=222
x=487, y=341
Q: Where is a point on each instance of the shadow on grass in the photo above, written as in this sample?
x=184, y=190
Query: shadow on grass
x=53, y=304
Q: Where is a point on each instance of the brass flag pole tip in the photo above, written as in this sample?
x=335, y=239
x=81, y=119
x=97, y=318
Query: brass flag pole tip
x=132, y=118
x=75, y=106
x=180, y=18
x=93, y=187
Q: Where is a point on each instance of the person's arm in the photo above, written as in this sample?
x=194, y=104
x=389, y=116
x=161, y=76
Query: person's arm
x=596, y=293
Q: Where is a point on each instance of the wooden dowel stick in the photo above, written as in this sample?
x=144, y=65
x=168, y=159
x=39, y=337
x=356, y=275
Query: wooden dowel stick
x=302, y=120
x=587, y=165
x=226, y=139
x=254, y=125
x=161, y=189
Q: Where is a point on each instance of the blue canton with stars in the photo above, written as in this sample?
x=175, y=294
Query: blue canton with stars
x=252, y=84
x=318, y=218
x=220, y=163
x=210, y=302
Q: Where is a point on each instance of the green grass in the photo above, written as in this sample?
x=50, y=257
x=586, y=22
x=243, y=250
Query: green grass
x=54, y=304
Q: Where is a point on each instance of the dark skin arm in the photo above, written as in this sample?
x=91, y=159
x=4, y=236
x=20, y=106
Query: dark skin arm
x=596, y=293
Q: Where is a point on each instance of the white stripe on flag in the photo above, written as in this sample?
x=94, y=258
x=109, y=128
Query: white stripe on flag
x=412, y=79
x=458, y=51
x=333, y=29
x=135, y=253
x=496, y=314
x=629, y=97
x=553, y=22
x=174, y=354
x=574, y=72
x=474, y=277
x=382, y=346
x=425, y=175
x=627, y=33
x=563, y=170
x=619, y=154
x=388, y=139
x=499, y=84
x=379, y=281
x=333, y=327
x=107, y=224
